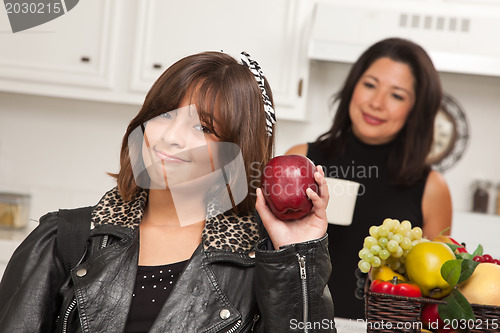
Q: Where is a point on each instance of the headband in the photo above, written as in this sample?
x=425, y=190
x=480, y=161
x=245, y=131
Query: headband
x=259, y=76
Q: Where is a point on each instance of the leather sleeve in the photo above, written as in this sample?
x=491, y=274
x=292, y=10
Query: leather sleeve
x=285, y=294
x=29, y=290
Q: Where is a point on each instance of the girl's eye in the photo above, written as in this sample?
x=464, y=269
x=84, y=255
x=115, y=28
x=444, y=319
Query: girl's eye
x=166, y=115
x=202, y=129
x=368, y=85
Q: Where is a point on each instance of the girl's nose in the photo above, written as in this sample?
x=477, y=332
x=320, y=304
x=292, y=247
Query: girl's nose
x=175, y=133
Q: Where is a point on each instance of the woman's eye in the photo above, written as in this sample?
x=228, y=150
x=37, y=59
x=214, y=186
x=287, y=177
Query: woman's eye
x=368, y=85
x=398, y=97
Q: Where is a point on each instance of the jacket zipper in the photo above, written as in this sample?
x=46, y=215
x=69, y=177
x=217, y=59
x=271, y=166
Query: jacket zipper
x=303, y=278
x=235, y=327
x=68, y=311
x=104, y=242
x=255, y=320
x=72, y=305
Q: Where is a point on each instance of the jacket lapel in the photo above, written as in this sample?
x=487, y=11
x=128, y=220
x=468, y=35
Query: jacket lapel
x=104, y=307
x=196, y=301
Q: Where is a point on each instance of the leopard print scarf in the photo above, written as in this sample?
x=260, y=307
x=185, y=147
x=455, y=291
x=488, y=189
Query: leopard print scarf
x=225, y=231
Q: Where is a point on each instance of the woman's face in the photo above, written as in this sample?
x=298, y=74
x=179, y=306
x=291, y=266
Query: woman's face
x=381, y=101
x=177, y=146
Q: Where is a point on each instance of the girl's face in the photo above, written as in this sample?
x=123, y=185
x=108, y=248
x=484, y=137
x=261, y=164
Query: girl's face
x=176, y=147
x=381, y=101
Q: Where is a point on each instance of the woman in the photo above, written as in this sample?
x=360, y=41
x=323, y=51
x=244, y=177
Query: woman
x=381, y=135
x=167, y=253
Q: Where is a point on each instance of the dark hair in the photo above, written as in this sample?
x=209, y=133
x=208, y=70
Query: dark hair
x=223, y=91
x=408, y=159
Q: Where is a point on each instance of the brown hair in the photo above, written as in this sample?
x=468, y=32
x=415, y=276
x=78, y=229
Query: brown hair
x=408, y=159
x=225, y=92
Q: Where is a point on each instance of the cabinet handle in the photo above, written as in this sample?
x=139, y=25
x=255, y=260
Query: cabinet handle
x=299, y=90
x=85, y=59
x=157, y=66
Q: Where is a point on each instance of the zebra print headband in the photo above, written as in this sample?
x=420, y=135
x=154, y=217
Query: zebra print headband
x=259, y=76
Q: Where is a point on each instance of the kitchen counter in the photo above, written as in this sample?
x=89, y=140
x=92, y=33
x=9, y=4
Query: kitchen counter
x=476, y=228
x=344, y=325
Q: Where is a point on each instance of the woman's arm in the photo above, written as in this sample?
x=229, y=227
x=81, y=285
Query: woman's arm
x=436, y=206
x=300, y=149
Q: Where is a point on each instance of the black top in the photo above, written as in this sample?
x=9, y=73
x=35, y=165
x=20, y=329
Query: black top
x=153, y=284
x=378, y=198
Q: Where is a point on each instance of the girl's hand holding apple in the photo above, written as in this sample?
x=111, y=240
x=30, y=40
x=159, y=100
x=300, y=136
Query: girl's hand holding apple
x=293, y=199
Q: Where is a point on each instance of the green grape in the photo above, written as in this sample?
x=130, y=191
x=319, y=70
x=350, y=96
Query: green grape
x=398, y=238
x=406, y=225
x=384, y=254
x=388, y=223
x=398, y=253
x=373, y=231
x=396, y=224
x=383, y=231
x=416, y=233
x=400, y=230
x=383, y=241
x=368, y=257
x=390, y=235
x=375, y=249
x=405, y=243
x=364, y=266
x=363, y=252
x=376, y=262
x=370, y=241
x=392, y=246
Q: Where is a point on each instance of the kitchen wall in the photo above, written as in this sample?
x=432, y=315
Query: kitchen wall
x=59, y=150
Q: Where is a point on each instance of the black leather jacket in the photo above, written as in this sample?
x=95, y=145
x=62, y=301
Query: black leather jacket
x=221, y=289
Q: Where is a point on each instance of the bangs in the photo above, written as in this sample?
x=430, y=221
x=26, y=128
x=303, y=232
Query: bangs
x=212, y=106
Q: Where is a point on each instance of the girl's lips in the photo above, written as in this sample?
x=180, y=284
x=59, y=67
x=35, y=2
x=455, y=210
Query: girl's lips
x=372, y=120
x=169, y=158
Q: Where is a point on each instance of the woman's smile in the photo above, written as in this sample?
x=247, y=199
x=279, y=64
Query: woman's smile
x=372, y=120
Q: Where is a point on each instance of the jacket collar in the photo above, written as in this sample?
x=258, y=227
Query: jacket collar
x=226, y=231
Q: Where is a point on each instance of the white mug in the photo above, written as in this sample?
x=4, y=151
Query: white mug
x=343, y=195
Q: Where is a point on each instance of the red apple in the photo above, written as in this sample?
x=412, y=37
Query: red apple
x=432, y=320
x=284, y=183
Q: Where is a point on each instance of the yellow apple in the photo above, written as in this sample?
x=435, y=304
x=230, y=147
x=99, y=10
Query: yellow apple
x=423, y=267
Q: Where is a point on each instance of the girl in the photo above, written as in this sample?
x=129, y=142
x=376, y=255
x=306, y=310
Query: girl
x=175, y=247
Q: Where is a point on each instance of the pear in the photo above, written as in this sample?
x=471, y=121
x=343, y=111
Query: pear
x=385, y=273
x=423, y=267
x=483, y=287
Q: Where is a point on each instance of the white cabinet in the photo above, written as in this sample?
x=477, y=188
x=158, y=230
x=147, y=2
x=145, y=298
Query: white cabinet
x=113, y=50
x=74, y=50
x=272, y=32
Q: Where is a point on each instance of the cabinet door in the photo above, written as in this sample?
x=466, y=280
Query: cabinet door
x=72, y=50
x=272, y=32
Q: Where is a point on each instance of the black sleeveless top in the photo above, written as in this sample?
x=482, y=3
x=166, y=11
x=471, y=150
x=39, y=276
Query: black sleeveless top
x=153, y=285
x=378, y=198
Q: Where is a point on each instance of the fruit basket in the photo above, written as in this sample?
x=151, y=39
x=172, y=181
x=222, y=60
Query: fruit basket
x=414, y=284
x=393, y=313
